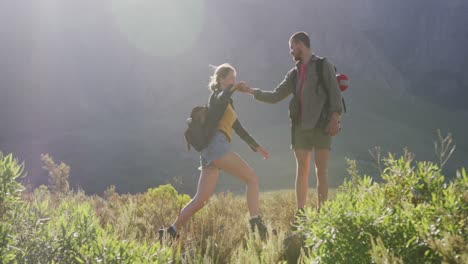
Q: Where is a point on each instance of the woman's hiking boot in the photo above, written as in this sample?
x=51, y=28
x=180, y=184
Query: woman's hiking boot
x=168, y=234
x=257, y=223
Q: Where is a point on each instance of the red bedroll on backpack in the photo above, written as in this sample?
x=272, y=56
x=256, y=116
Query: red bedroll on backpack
x=343, y=81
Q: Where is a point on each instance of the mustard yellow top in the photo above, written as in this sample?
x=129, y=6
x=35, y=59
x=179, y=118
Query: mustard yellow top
x=226, y=122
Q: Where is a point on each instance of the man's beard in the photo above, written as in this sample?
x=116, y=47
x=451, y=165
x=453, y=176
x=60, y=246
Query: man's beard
x=297, y=57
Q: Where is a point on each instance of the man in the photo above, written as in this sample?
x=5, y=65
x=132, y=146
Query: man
x=315, y=112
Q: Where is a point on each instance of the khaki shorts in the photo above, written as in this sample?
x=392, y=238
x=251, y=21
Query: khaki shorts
x=310, y=138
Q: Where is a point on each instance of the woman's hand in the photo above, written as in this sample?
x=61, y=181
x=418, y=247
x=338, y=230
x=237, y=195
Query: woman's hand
x=243, y=87
x=240, y=86
x=262, y=152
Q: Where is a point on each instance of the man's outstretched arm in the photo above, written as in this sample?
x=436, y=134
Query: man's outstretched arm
x=284, y=89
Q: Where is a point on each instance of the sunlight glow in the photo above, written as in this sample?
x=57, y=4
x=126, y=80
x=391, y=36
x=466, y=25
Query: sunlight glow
x=160, y=27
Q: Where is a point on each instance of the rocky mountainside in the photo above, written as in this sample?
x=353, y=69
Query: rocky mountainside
x=81, y=81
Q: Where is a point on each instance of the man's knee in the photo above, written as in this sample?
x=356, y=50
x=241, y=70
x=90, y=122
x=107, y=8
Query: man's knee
x=303, y=159
x=321, y=163
x=321, y=171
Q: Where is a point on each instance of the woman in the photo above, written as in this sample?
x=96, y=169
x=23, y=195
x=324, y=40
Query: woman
x=221, y=121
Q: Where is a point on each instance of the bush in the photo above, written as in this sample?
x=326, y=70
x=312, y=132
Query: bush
x=58, y=175
x=45, y=229
x=10, y=193
x=408, y=217
x=10, y=189
x=414, y=216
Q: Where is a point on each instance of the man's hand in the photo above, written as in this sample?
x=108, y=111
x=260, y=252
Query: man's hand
x=262, y=152
x=333, y=126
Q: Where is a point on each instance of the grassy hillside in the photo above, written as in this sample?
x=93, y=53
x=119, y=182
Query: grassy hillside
x=411, y=217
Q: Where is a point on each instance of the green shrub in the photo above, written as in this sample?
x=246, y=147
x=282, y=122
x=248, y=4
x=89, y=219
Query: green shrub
x=10, y=189
x=401, y=218
x=58, y=175
x=413, y=216
x=11, y=171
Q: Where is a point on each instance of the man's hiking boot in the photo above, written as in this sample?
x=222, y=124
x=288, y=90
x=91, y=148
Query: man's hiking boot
x=169, y=234
x=258, y=224
x=299, y=217
x=292, y=246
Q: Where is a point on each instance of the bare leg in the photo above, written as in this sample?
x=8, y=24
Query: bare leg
x=321, y=170
x=206, y=187
x=232, y=164
x=302, y=175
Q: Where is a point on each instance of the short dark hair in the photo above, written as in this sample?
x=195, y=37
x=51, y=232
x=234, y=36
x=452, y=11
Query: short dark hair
x=301, y=37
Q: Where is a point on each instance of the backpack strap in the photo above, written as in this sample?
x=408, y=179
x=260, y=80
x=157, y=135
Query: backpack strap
x=344, y=105
x=294, y=80
x=319, y=69
x=187, y=140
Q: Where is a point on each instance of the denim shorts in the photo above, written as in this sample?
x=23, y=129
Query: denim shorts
x=216, y=149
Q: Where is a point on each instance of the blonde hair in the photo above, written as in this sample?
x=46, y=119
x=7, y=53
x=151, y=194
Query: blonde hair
x=220, y=72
